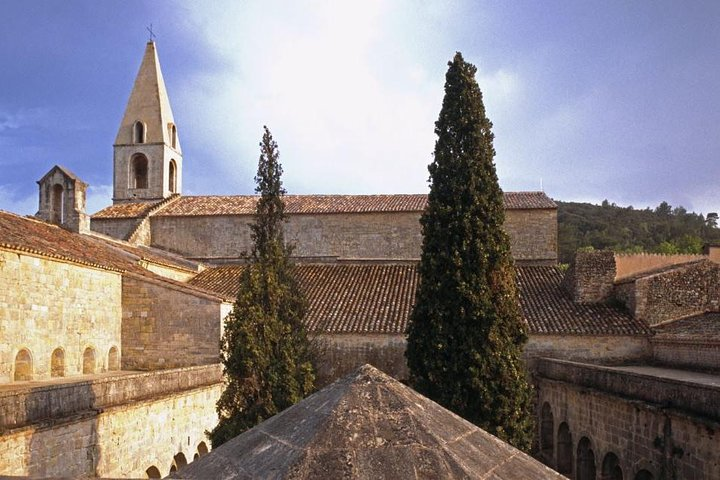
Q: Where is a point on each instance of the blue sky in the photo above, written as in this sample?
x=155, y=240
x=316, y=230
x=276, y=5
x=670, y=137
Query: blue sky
x=591, y=100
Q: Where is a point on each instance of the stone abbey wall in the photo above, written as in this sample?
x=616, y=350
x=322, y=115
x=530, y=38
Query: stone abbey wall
x=624, y=416
x=165, y=327
x=692, y=352
x=119, y=228
x=533, y=235
x=388, y=235
x=608, y=349
x=137, y=422
x=48, y=305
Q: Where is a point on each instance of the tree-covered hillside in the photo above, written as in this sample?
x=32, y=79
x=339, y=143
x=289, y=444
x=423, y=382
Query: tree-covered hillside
x=624, y=229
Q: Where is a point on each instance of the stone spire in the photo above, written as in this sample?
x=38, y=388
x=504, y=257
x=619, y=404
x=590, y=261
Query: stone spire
x=147, y=154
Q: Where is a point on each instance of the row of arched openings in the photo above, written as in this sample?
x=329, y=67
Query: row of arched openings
x=139, y=173
x=179, y=461
x=24, y=363
x=582, y=457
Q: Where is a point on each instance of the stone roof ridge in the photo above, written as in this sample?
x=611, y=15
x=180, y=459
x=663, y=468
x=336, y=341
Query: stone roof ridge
x=66, y=171
x=132, y=236
x=366, y=425
x=660, y=270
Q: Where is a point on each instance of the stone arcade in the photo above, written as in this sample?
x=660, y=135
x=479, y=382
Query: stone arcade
x=109, y=325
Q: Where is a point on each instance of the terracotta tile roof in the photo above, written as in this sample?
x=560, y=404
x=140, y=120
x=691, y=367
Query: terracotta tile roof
x=313, y=204
x=126, y=210
x=379, y=298
x=43, y=239
x=548, y=310
x=705, y=325
x=341, y=298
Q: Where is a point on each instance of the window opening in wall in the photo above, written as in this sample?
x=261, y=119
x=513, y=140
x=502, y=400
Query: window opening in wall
x=644, y=475
x=172, y=174
x=153, y=472
x=57, y=363
x=547, y=432
x=89, y=361
x=23, y=366
x=585, y=460
x=564, y=449
x=139, y=171
x=138, y=132
x=202, y=449
x=172, y=131
x=611, y=467
x=113, y=359
x=57, y=203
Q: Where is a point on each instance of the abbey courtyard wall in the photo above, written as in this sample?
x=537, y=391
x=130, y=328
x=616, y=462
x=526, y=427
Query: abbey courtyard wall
x=165, y=327
x=113, y=427
x=383, y=235
x=51, y=304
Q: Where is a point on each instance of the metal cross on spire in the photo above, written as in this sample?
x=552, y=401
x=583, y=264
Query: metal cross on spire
x=152, y=35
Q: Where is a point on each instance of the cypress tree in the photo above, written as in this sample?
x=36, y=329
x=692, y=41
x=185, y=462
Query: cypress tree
x=265, y=351
x=466, y=332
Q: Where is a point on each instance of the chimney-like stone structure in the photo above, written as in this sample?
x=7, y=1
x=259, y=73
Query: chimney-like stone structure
x=590, y=277
x=62, y=200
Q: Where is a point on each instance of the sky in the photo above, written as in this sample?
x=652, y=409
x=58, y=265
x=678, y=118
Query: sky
x=590, y=100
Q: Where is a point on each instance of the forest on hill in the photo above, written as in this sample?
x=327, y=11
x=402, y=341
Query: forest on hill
x=624, y=229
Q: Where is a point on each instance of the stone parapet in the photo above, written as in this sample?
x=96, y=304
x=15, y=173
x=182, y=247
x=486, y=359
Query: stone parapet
x=686, y=395
x=25, y=404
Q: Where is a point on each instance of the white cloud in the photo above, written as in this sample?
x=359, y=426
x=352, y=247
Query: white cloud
x=98, y=197
x=12, y=202
x=350, y=91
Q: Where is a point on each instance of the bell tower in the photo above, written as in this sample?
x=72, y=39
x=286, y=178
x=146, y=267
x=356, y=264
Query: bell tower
x=147, y=159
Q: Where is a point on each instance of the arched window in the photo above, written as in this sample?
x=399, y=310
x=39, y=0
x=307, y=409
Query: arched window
x=57, y=203
x=89, y=360
x=644, y=475
x=585, y=460
x=611, y=467
x=153, y=472
x=138, y=132
x=179, y=461
x=172, y=177
x=172, y=132
x=139, y=171
x=57, y=363
x=23, y=366
x=202, y=449
x=564, y=449
x=113, y=359
x=547, y=432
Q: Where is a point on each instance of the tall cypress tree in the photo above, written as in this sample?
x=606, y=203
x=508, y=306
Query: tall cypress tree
x=466, y=333
x=266, y=355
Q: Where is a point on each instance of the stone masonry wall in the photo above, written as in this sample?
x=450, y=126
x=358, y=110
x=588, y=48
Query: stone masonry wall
x=598, y=348
x=629, y=264
x=343, y=353
x=667, y=443
x=533, y=235
x=672, y=294
x=590, y=277
x=120, y=441
x=692, y=352
x=394, y=235
x=48, y=304
x=120, y=228
x=165, y=327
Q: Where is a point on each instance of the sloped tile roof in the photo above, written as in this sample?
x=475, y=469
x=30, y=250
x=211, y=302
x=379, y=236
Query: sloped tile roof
x=43, y=239
x=548, y=310
x=126, y=210
x=366, y=425
x=379, y=298
x=341, y=298
x=316, y=204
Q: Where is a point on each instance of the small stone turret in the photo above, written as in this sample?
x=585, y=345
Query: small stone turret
x=62, y=200
x=590, y=277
